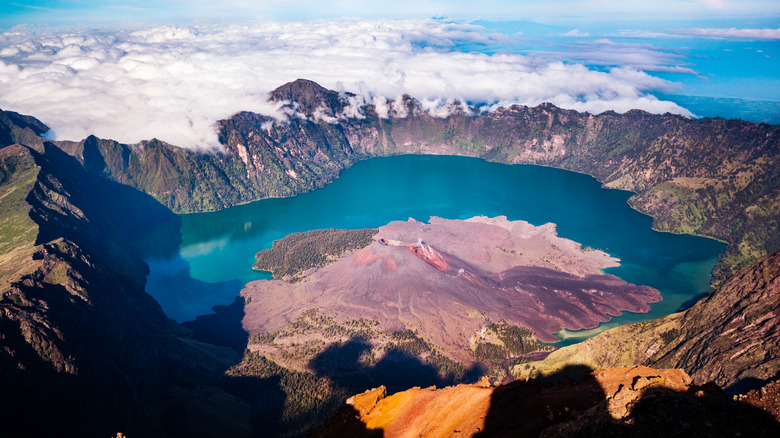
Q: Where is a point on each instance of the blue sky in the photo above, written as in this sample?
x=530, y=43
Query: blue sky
x=170, y=69
x=59, y=12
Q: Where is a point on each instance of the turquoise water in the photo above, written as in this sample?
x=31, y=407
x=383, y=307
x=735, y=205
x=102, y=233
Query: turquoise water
x=215, y=258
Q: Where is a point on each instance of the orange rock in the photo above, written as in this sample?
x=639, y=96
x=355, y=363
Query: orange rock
x=365, y=402
x=516, y=409
x=430, y=412
x=623, y=386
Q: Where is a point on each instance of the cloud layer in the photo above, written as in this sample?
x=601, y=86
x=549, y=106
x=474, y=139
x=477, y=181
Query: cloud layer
x=173, y=83
x=732, y=33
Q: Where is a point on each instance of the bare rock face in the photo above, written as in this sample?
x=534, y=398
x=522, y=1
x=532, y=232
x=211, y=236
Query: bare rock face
x=732, y=337
x=623, y=386
x=634, y=401
x=445, y=277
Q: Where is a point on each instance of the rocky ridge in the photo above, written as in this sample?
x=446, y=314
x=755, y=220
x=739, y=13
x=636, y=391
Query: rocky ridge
x=81, y=343
x=709, y=177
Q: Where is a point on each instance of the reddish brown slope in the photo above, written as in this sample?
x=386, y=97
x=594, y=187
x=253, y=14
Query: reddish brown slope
x=463, y=273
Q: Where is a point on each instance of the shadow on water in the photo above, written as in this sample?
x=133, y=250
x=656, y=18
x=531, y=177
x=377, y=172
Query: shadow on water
x=688, y=304
x=182, y=297
x=223, y=327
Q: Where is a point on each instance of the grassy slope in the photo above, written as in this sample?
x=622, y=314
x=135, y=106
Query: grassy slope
x=18, y=174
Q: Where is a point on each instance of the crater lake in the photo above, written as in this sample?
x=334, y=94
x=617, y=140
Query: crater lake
x=217, y=249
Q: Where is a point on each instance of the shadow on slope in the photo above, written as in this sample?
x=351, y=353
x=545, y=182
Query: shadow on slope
x=751, y=383
x=570, y=403
x=574, y=403
x=288, y=403
x=350, y=366
x=82, y=344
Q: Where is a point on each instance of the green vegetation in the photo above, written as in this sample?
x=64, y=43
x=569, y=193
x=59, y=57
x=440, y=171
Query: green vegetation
x=313, y=322
x=407, y=341
x=18, y=174
x=502, y=340
x=307, y=399
x=670, y=335
x=290, y=257
x=490, y=351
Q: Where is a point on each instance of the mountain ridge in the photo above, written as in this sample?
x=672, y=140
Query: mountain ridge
x=82, y=343
x=708, y=177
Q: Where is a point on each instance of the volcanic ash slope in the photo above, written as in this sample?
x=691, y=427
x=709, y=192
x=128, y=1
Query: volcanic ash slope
x=445, y=278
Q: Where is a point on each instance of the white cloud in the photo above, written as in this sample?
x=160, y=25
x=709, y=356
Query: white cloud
x=742, y=34
x=174, y=83
x=574, y=33
x=605, y=52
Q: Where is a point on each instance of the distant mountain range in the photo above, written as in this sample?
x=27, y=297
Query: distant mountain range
x=84, y=346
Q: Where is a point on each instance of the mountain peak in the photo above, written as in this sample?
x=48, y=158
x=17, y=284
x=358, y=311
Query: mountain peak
x=310, y=96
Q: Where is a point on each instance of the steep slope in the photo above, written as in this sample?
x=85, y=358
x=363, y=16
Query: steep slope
x=16, y=128
x=731, y=337
x=81, y=344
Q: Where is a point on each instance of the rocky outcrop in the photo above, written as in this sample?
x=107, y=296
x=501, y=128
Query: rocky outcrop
x=730, y=337
x=636, y=401
x=16, y=128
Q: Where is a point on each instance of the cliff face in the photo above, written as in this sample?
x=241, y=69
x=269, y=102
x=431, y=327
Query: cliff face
x=81, y=343
x=711, y=177
x=730, y=337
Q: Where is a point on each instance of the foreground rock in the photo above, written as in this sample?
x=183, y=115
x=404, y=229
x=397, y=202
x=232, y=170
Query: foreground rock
x=636, y=401
x=445, y=278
